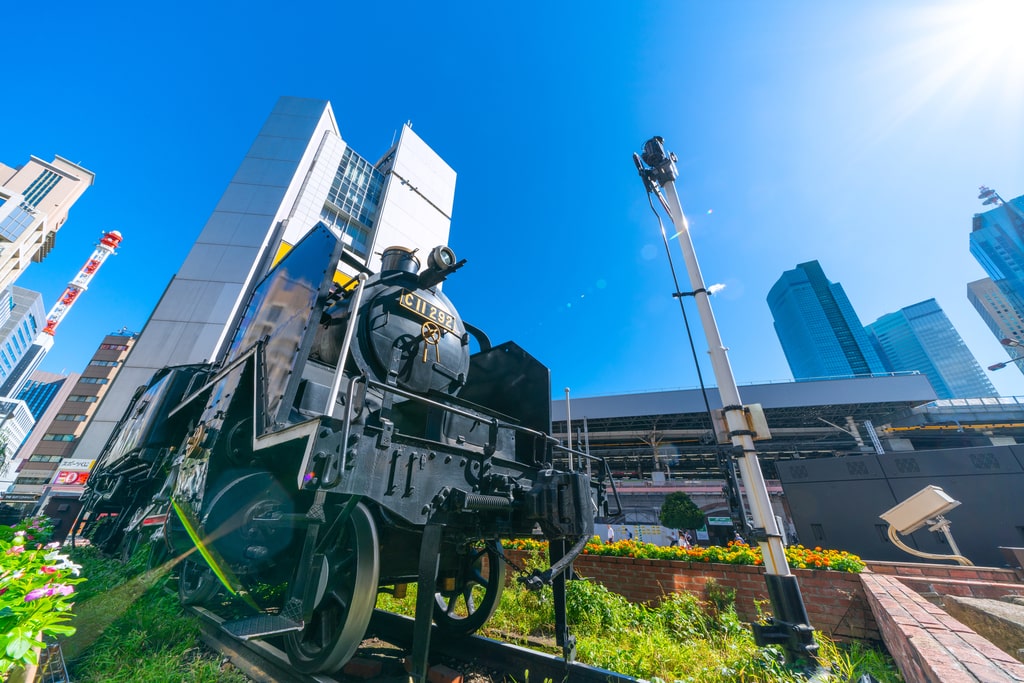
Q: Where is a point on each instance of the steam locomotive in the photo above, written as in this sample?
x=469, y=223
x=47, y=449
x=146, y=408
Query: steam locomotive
x=347, y=441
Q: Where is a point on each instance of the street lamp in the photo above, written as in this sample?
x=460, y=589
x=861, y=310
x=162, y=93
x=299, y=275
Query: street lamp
x=1012, y=343
x=989, y=196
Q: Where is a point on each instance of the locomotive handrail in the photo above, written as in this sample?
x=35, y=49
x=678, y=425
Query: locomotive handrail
x=346, y=344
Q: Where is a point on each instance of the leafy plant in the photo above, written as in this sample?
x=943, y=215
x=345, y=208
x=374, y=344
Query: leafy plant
x=36, y=582
x=680, y=512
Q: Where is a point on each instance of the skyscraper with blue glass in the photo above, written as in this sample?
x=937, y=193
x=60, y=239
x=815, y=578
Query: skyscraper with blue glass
x=820, y=332
x=920, y=338
x=997, y=242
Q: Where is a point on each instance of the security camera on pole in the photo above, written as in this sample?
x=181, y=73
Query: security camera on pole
x=789, y=626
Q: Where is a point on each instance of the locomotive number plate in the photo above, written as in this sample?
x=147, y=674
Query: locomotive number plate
x=428, y=311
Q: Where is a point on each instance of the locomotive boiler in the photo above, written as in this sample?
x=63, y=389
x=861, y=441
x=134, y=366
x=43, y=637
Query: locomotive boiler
x=349, y=440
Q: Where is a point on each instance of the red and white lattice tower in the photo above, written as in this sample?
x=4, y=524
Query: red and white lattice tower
x=105, y=248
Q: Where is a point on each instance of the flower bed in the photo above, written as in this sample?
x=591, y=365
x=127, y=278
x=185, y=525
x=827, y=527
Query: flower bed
x=797, y=556
x=35, y=583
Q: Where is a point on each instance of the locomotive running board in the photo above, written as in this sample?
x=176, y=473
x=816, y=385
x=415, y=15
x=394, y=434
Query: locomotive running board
x=261, y=626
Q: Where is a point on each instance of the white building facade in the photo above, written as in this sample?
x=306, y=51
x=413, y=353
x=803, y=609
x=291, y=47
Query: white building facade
x=34, y=203
x=299, y=171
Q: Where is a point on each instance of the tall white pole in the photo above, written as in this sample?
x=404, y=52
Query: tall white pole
x=772, y=548
x=789, y=625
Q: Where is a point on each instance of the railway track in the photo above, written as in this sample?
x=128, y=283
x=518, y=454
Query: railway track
x=389, y=639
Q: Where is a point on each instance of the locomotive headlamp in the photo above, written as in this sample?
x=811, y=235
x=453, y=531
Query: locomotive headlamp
x=441, y=258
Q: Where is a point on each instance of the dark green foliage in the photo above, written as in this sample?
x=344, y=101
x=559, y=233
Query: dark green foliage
x=680, y=512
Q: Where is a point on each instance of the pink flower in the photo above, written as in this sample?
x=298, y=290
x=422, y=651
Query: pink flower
x=48, y=570
x=37, y=593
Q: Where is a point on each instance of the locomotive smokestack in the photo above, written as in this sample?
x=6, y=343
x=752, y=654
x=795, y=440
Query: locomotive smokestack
x=399, y=259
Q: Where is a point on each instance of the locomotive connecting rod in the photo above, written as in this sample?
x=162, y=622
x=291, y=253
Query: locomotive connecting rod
x=791, y=628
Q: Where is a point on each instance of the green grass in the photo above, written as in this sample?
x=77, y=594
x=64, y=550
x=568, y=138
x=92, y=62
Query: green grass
x=130, y=628
x=684, y=638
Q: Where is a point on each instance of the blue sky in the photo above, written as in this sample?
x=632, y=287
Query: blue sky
x=856, y=134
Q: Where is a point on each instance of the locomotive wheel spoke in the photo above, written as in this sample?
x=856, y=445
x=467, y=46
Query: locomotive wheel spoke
x=347, y=582
x=476, y=595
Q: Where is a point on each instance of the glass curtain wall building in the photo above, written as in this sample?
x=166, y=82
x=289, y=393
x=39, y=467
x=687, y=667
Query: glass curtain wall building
x=999, y=314
x=820, y=332
x=997, y=242
x=921, y=338
x=298, y=172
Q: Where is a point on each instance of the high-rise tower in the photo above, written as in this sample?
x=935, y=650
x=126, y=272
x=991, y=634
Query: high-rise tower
x=997, y=242
x=920, y=338
x=298, y=171
x=1005, y=321
x=34, y=203
x=820, y=332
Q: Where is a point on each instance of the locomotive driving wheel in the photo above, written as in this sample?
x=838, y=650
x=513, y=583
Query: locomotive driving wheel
x=466, y=606
x=196, y=583
x=346, y=591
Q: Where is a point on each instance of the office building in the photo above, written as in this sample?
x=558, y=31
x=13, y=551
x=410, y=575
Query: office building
x=22, y=317
x=15, y=424
x=920, y=338
x=820, y=332
x=299, y=171
x=51, y=449
x=999, y=314
x=34, y=203
x=41, y=390
x=997, y=242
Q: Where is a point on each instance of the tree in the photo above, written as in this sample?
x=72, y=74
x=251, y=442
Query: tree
x=680, y=512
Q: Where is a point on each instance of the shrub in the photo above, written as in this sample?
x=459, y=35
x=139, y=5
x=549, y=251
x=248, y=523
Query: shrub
x=36, y=581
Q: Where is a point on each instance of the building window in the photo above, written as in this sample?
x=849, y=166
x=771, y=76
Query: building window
x=93, y=380
x=66, y=417
x=79, y=397
x=46, y=458
x=32, y=481
x=105, y=363
x=40, y=187
x=58, y=437
x=16, y=222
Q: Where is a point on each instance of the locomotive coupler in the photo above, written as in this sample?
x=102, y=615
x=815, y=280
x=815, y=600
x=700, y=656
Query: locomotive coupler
x=560, y=502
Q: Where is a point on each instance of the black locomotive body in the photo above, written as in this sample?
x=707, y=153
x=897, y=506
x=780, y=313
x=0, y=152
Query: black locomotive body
x=348, y=440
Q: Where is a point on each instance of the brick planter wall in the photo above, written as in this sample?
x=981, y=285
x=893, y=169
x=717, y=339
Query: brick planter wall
x=886, y=602
x=835, y=601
